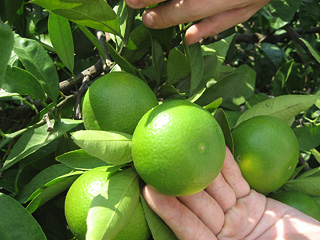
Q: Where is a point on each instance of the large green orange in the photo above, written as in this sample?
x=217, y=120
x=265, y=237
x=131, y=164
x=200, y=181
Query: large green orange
x=267, y=152
x=178, y=148
x=78, y=201
x=116, y=102
x=300, y=201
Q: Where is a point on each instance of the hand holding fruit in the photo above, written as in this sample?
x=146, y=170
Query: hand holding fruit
x=227, y=208
x=216, y=15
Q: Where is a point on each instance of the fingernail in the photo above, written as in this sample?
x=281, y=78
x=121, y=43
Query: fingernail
x=193, y=35
x=148, y=19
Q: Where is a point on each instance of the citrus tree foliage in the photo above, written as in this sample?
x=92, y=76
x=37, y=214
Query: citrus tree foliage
x=52, y=50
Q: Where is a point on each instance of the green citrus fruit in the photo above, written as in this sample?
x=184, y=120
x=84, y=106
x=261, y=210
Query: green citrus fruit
x=267, y=152
x=116, y=102
x=79, y=198
x=299, y=201
x=178, y=148
x=78, y=201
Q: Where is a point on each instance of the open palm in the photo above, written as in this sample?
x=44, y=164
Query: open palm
x=229, y=209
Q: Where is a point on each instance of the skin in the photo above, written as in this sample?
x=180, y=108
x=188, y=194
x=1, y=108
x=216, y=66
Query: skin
x=228, y=209
x=215, y=15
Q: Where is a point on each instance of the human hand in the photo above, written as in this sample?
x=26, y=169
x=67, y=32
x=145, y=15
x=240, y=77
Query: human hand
x=228, y=209
x=217, y=15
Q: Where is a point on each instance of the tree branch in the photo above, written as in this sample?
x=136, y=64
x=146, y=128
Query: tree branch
x=265, y=38
x=23, y=113
x=95, y=70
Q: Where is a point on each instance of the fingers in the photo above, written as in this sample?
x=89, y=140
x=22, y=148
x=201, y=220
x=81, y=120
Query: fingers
x=229, y=185
x=243, y=217
x=178, y=11
x=232, y=174
x=217, y=15
x=206, y=209
x=215, y=24
x=223, y=194
x=183, y=222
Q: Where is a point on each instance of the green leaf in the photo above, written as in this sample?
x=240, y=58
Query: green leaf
x=61, y=39
x=16, y=222
x=178, y=66
x=123, y=63
x=93, y=39
x=50, y=191
x=313, y=51
x=21, y=81
x=111, y=147
x=308, y=137
x=211, y=64
x=157, y=61
x=307, y=185
x=314, y=172
x=316, y=154
x=196, y=65
x=235, y=88
x=6, y=45
x=309, y=13
x=96, y=14
x=34, y=139
x=37, y=61
x=219, y=48
x=113, y=206
x=273, y=52
x=13, y=14
x=221, y=118
x=159, y=230
x=256, y=98
x=282, y=11
x=283, y=107
x=163, y=36
x=139, y=37
x=281, y=78
x=80, y=159
x=213, y=106
x=44, y=179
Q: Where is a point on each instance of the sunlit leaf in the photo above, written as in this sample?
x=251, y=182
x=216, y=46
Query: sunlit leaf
x=111, y=147
x=37, y=61
x=61, y=39
x=20, y=81
x=33, y=139
x=80, y=159
x=283, y=107
x=96, y=14
x=113, y=206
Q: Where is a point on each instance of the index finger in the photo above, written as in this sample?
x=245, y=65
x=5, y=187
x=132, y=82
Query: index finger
x=183, y=11
x=232, y=174
x=182, y=221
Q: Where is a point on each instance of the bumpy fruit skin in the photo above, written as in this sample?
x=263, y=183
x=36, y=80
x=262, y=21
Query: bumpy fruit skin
x=267, y=152
x=79, y=198
x=299, y=201
x=178, y=148
x=116, y=102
